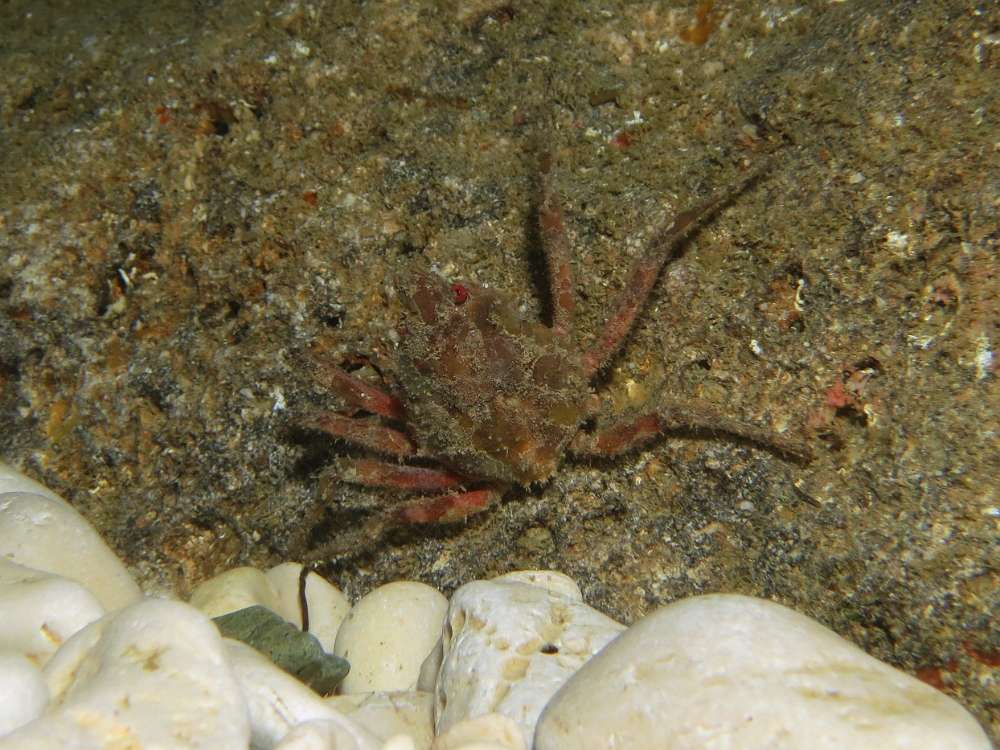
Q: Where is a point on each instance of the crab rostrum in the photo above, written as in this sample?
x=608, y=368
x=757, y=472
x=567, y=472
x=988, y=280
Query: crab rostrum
x=497, y=400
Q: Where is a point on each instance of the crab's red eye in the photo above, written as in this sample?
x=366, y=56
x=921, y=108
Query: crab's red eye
x=461, y=294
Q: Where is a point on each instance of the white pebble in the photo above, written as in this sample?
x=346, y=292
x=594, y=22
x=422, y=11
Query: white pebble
x=11, y=480
x=143, y=677
x=553, y=580
x=43, y=532
x=727, y=671
x=389, y=714
x=23, y=694
x=485, y=732
x=400, y=742
x=509, y=646
x=318, y=734
x=40, y=611
x=327, y=606
x=388, y=634
x=277, y=702
x=234, y=590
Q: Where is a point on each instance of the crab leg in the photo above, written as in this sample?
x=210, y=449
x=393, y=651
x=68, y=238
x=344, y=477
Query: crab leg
x=447, y=508
x=358, y=394
x=557, y=252
x=645, y=272
x=362, y=434
x=395, y=476
x=626, y=436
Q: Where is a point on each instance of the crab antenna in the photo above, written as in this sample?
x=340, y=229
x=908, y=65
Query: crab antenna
x=645, y=272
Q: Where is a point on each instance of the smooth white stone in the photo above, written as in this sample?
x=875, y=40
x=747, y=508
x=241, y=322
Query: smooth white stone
x=389, y=714
x=149, y=676
x=234, y=590
x=400, y=742
x=427, y=679
x=40, y=611
x=731, y=672
x=46, y=533
x=318, y=734
x=11, y=480
x=387, y=635
x=23, y=693
x=485, y=732
x=553, y=580
x=327, y=605
x=277, y=702
x=494, y=639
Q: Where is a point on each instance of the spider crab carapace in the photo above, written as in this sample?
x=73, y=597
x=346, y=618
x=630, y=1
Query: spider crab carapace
x=497, y=400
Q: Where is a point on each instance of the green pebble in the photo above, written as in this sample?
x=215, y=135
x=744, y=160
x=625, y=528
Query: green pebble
x=300, y=654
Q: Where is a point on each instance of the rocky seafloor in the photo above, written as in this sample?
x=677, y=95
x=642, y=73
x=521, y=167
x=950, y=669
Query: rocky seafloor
x=197, y=197
x=519, y=661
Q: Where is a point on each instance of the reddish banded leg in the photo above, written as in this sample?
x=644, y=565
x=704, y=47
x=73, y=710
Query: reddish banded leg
x=362, y=434
x=358, y=394
x=645, y=272
x=557, y=252
x=399, y=477
x=447, y=508
x=626, y=436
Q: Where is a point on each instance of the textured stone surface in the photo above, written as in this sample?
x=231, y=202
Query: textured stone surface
x=736, y=673
x=509, y=646
x=388, y=634
x=553, y=580
x=152, y=675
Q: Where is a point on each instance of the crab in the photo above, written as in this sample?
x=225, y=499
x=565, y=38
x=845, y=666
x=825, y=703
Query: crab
x=487, y=399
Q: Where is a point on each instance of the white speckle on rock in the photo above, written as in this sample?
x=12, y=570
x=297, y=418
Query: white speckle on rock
x=509, y=646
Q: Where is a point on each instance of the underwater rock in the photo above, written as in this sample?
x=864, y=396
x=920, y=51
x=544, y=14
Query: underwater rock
x=485, y=732
x=326, y=605
x=509, y=646
x=277, y=703
x=40, y=611
x=23, y=693
x=388, y=634
x=40, y=530
x=728, y=671
x=389, y=714
x=234, y=590
x=142, y=677
x=300, y=654
x=553, y=580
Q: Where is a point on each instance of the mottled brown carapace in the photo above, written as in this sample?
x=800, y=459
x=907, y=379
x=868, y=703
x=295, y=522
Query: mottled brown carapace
x=498, y=400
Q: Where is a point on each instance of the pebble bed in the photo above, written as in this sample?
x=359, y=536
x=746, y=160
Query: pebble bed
x=519, y=661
